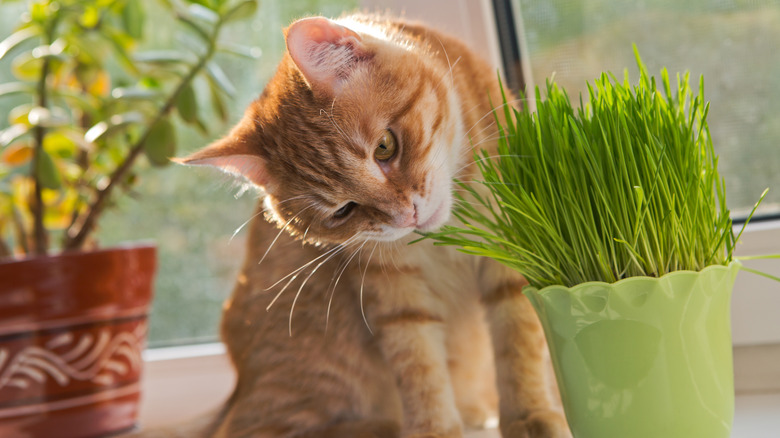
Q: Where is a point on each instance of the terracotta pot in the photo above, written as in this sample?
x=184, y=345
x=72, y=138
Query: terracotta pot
x=72, y=329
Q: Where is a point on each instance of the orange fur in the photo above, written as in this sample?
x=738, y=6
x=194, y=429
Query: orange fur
x=373, y=337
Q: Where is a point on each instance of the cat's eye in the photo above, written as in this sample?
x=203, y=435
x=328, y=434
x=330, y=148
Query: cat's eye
x=387, y=146
x=344, y=211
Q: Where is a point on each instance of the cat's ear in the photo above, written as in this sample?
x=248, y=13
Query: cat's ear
x=232, y=155
x=324, y=51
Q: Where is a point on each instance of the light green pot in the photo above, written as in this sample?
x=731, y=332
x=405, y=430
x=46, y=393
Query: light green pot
x=644, y=357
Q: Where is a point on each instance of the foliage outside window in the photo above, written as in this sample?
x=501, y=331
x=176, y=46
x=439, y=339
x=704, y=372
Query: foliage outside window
x=732, y=43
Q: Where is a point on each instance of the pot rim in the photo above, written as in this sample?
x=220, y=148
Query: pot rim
x=136, y=245
x=734, y=264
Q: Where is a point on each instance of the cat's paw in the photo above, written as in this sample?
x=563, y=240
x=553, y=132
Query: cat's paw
x=477, y=416
x=538, y=424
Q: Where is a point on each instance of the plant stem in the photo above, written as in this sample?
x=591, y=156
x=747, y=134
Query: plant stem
x=76, y=241
x=40, y=235
x=21, y=234
x=5, y=251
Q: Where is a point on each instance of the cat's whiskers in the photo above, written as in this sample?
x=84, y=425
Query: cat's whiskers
x=362, y=282
x=334, y=285
x=241, y=227
x=294, y=274
x=265, y=210
x=450, y=65
x=281, y=230
x=463, y=201
x=490, y=113
x=479, y=134
x=472, y=162
x=458, y=171
x=333, y=120
x=382, y=261
x=340, y=247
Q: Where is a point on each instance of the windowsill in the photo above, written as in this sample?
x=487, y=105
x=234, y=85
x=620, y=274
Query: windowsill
x=180, y=383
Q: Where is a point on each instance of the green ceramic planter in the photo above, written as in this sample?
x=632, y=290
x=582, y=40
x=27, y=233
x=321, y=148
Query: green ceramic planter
x=644, y=357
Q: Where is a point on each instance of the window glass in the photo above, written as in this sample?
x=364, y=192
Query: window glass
x=734, y=44
x=192, y=214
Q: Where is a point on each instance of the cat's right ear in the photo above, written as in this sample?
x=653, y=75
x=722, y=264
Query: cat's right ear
x=325, y=52
x=232, y=156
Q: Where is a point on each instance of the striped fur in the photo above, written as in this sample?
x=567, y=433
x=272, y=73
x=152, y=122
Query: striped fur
x=341, y=329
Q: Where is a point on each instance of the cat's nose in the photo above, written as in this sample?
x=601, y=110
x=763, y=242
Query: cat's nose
x=406, y=218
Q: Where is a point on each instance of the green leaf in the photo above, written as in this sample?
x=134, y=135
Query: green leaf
x=218, y=76
x=164, y=57
x=187, y=104
x=49, y=118
x=13, y=133
x=218, y=103
x=201, y=126
x=103, y=128
x=203, y=13
x=243, y=10
x=133, y=18
x=121, y=42
x=15, y=39
x=84, y=101
x=249, y=52
x=195, y=27
x=60, y=144
x=47, y=172
x=90, y=17
x=160, y=146
x=53, y=50
x=134, y=93
x=19, y=113
x=26, y=66
x=11, y=88
x=39, y=12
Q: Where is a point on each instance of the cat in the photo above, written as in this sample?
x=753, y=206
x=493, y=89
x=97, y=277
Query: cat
x=355, y=142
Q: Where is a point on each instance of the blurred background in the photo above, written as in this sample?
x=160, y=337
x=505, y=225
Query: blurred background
x=193, y=214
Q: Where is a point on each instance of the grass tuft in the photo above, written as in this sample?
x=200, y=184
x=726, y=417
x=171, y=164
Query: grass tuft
x=627, y=185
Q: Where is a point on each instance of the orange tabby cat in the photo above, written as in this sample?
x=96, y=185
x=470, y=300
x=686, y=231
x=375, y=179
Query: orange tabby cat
x=355, y=143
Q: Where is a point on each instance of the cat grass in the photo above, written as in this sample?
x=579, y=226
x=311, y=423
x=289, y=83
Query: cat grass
x=625, y=185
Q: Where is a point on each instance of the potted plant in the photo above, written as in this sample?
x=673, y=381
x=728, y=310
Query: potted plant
x=616, y=214
x=73, y=315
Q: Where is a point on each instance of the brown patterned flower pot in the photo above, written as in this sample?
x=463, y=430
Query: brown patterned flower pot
x=72, y=329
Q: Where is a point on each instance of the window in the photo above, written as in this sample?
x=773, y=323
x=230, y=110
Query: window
x=729, y=42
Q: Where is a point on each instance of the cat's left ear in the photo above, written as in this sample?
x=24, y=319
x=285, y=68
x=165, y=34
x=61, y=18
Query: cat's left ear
x=325, y=52
x=235, y=154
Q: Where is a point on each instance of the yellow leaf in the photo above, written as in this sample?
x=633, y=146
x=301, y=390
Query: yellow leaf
x=18, y=115
x=101, y=85
x=17, y=154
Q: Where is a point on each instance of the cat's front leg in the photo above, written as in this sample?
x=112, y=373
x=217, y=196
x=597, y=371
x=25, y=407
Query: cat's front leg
x=408, y=324
x=526, y=407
